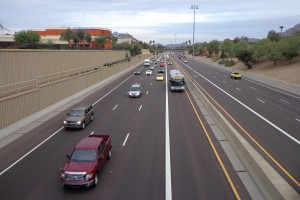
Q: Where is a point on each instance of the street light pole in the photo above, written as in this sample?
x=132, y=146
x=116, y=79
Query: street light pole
x=194, y=7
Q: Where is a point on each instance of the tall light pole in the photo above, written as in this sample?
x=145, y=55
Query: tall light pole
x=194, y=7
x=281, y=27
x=175, y=38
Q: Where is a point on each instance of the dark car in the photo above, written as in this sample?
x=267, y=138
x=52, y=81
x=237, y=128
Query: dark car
x=80, y=116
x=137, y=72
x=161, y=70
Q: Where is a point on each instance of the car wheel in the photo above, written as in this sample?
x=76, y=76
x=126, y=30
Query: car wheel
x=109, y=154
x=96, y=180
x=83, y=125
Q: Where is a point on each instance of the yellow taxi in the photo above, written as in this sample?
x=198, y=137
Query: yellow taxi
x=235, y=75
x=159, y=77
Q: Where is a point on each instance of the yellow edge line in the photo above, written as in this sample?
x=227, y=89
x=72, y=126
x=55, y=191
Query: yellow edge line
x=215, y=151
x=247, y=133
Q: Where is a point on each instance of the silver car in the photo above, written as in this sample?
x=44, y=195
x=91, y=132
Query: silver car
x=135, y=91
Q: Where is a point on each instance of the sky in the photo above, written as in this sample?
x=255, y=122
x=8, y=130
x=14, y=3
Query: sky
x=164, y=21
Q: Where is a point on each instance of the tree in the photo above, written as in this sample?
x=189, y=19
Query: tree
x=289, y=47
x=67, y=36
x=88, y=37
x=101, y=40
x=260, y=49
x=75, y=39
x=215, y=46
x=29, y=37
x=274, y=53
x=80, y=34
x=273, y=36
x=228, y=48
x=244, y=52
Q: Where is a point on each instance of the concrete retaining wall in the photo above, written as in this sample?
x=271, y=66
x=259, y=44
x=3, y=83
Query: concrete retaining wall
x=20, y=105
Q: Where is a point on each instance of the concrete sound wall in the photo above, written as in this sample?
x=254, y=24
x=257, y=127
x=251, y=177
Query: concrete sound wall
x=20, y=66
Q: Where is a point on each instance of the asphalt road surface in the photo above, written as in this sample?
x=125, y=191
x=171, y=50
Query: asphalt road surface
x=160, y=150
x=269, y=116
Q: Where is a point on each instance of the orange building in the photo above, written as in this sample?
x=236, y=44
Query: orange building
x=53, y=35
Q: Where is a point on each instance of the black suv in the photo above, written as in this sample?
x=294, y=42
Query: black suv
x=80, y=116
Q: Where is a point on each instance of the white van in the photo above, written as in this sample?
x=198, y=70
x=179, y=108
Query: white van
x=147, y=63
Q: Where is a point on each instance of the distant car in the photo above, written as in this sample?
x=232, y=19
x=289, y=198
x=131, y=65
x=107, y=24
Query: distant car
x=152, y=68
x=169, y=63
x=80, y=116
x=148, y=72
x=137, y=72
x=235, y=75
x=161, y=70
x=159, y=77
x=185, y=61
x=135, y=90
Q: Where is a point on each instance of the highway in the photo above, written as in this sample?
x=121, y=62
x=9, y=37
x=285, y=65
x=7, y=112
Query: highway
x=268, y=117
x=162, y=147
x=160, y=150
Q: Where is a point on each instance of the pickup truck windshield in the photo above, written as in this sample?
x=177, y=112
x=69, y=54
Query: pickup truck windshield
x=83, y=156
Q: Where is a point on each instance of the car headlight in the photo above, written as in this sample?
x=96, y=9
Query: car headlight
x=78, y=123
x=63, y=175
x=65, y=122
x=88, y=176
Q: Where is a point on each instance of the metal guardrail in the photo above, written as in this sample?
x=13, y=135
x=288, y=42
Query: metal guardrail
x=16, y=88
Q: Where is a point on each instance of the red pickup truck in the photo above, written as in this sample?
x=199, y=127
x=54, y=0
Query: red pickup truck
x=86, y=160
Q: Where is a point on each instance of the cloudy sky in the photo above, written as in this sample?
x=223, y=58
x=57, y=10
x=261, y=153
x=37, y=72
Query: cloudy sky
x=165, y=21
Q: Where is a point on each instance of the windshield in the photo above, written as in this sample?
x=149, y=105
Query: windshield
x=177, y=83
x=83, y=155
x=135, y=89
x=76, y=113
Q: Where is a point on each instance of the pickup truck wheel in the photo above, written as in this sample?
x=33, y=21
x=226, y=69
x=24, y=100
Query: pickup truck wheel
x=83, y=125
x=96, y=180
x=109, y=155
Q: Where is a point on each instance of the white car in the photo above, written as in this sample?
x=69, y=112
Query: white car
x=185, y=61
x=148, y=72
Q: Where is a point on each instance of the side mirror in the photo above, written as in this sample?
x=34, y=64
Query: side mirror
x=68, y=156
x=101, y=157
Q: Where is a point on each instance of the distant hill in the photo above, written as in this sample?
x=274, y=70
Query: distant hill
x=173, y=46
x=291, y=31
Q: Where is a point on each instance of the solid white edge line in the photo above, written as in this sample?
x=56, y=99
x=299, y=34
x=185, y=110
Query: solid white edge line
x=245, y=106
x=168, y=156
x=31, y=151
x=124, y=143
